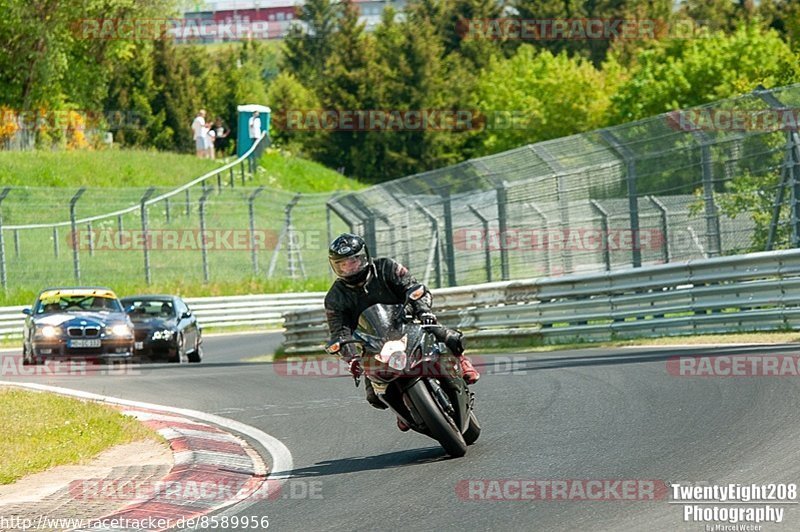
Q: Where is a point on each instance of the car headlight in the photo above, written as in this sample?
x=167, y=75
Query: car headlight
x=48, y=331
x=165, y=334
x=120, y=330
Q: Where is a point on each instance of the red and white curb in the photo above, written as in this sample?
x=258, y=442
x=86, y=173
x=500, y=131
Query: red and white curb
x=204, y=456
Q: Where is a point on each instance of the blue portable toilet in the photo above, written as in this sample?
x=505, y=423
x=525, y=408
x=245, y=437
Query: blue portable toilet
x=243, y=141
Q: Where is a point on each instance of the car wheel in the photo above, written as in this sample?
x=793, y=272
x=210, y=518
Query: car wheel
x=180, y=351
x=196, y=355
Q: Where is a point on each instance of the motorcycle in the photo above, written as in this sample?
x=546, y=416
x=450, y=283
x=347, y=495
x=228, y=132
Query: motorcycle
x=415, y=375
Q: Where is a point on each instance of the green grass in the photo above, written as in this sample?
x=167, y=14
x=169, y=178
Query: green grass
x=33, y=262
x=100, y=168
x=42, y=430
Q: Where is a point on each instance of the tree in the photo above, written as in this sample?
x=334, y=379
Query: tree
x=309, y=45
x=683, y=73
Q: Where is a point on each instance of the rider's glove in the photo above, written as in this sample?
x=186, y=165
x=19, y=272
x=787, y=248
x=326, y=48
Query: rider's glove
x=427, y=318
x=355, y=368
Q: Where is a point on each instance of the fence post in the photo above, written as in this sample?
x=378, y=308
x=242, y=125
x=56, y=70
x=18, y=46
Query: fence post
x=145, y=240
x=203, y=250
x=16, y=243
x=633, y=199
x=251, y=210
x=664, y=227
x=437, y=262
x=3, y=274
x=562, y=198
x=449, y=240
x=188, y=203
x=90, y=237
x=76, y=261
x=604, y=230
x=487, y=252
x=543, y=217
x=219, y=183
x=502, y=220
x=119, y=230
x=241, y=169
x=166, y=205
x=55, y=242
x=231, y=177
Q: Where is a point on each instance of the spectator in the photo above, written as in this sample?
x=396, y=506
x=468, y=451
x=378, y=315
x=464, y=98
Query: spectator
x=199, y=131
x=221, y=136
x=255, y=134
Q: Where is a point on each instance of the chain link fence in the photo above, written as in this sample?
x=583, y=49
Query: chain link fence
x=714, y=180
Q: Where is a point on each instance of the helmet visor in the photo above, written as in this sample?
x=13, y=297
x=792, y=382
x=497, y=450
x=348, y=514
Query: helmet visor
x=346, y=267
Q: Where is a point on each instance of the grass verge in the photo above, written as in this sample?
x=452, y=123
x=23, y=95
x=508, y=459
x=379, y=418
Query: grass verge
x=42, y=430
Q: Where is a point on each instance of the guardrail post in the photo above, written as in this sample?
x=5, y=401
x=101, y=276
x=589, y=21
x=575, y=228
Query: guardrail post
x=16, y=243
x=604, y=230
x=55, y=242
x=76, y=261
x=241, y=170
x=188, y=203
x=119, y=230
x=449, y=244
x=145, y=240
x=251, y=210
x=203, y=249
x=3, y=274
x=502, y=219
x=90, y=238
x=219, y=183
x=435, y=242
x=166, y=206
x=487, y=252
x=633, y=199
x=231, y=177
x=664, y=227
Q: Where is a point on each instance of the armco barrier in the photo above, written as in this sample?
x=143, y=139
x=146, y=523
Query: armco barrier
x=230, y=311
x=759, y=291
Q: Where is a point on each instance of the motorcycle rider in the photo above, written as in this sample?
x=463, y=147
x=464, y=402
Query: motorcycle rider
x=362, y=282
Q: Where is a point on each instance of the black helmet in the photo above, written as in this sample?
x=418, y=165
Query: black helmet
x=349, y=258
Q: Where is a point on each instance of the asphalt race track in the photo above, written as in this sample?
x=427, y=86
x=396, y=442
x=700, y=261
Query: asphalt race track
x=591, y=414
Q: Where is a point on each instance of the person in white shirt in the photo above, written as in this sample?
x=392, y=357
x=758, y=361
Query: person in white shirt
x=199, y=133
x=255, y=126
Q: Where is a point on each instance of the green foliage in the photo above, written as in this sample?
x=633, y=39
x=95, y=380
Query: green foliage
x=682, y=73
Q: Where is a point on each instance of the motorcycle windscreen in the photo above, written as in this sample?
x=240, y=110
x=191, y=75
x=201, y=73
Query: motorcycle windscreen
x=378, y=321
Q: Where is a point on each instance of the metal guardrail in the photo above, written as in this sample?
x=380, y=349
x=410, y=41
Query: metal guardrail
x=264, y=310
x=758, y=291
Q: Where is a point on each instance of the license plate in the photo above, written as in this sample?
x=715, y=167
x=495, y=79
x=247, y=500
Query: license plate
x=138, y=345
x=85, y=343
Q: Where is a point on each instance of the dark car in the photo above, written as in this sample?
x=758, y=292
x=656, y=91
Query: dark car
x=165, y=328
x=76, y=323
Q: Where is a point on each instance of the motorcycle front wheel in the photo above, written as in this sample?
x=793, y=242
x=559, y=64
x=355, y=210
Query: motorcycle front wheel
x=436, y=421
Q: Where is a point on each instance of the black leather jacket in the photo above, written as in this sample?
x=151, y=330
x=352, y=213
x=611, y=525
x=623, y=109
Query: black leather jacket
x=387, y=284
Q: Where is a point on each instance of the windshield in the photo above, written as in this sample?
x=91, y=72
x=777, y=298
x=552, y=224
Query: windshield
x=378, y=320
x=77, y=303
x=143, y=309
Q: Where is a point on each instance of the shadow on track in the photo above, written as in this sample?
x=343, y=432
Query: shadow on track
x=392, y=460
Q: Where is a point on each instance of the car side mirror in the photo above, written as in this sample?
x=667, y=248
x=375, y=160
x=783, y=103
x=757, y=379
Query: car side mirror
x=128, y=310
x=27, y=312
x=187, y=314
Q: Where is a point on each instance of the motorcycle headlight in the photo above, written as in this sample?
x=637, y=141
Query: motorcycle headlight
x=48, y=331
x=120, y=330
